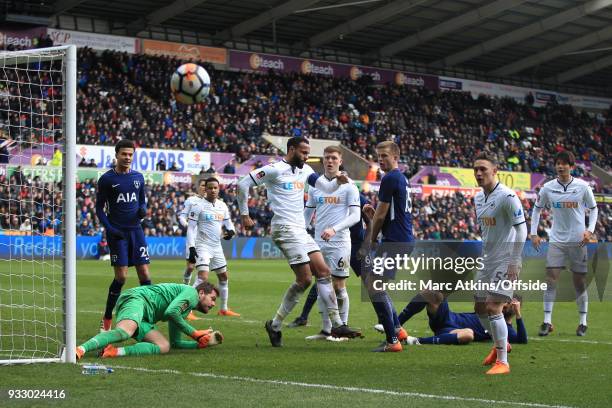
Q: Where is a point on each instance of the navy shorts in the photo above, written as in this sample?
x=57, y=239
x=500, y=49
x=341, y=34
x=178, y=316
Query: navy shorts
x=130, y=251
x=440, y=323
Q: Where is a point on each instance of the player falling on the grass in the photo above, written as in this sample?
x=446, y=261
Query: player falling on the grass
x=462, y=328
x=121, y=190
x=285, y=181
x=335, y=213
x=213, y=224
x=188, y=218
x=501, y=218
x=357, y=232
x=567, y=198
x=139, y=308
x=393, y=220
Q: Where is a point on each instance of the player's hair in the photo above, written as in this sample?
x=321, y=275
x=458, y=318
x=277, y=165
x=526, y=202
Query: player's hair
x=488, y=157
x=333, y=149
x=388, y=144
x=509, y=312
x=123, y=144
x=202, y=180
x=565, y=157
x=207, y=287
x=295, y=141
x=211, y=179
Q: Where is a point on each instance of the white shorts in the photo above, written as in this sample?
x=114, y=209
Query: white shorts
x=337, y=256
x=210, y=258
x=493, y=274
x=294, y=242
x=557, y=253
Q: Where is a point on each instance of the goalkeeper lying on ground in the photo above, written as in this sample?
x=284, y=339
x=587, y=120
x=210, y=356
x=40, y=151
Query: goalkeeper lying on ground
x=137, y=311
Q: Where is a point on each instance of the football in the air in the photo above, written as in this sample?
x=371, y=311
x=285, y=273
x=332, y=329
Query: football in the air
x=190, y=84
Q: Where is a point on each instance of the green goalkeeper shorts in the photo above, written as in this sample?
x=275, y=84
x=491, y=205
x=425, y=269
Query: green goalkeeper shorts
x=132, y=308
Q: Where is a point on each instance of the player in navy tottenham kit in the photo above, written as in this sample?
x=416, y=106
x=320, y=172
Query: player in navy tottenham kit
x=393, y=219
x=357, y=236
x=461, y=328
x=121, y=191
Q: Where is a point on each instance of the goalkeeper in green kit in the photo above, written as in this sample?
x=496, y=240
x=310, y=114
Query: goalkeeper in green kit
x=139, y=308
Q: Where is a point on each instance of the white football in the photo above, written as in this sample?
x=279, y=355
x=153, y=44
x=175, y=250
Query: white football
x=190, y=84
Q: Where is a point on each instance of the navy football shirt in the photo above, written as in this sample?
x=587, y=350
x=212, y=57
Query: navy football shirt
x=124, y=194
x=395, y=190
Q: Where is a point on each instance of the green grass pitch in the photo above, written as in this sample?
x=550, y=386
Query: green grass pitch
x=245, y=371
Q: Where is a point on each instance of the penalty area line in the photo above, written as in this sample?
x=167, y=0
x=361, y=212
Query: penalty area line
x=340, y=388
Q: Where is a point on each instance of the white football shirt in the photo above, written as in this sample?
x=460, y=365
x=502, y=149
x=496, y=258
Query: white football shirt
x=497, y=214
x=567, y=204
x=191, y=211
x=285, y=185
x=211, y=219
x=332, y=208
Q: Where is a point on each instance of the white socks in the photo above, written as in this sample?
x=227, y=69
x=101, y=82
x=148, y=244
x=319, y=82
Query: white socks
x=290, y=299
x=343, y=304
x=499, y=333
x=582, y=301
x=325, y=322
x=223, y=294
x=197, y=282
x=328, y=297
x=550, y=294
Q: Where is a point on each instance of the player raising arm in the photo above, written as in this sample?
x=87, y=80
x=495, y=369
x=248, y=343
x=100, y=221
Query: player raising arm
x=285, y=181
x=567, y=198
x=138, y=309
x=121, y=190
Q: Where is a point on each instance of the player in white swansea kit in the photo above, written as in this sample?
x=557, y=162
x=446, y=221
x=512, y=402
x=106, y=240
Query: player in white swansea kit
x=214, y=223
x=188, y=219
x=501, y=218
x=567, y=198
x=335, y=214
x=285, y=181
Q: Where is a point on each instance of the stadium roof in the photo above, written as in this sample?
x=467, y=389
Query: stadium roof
x=561, y=42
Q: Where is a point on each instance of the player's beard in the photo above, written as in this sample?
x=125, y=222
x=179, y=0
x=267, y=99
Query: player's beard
x=297, y=162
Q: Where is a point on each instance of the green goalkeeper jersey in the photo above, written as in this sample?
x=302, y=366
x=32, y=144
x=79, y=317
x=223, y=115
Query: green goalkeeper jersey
x=166, y=301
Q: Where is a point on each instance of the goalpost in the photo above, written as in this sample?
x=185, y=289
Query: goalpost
x=38, y=205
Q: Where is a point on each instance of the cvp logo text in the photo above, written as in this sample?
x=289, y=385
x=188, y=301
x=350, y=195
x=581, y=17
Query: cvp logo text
x=565, y=204
x=294, y=185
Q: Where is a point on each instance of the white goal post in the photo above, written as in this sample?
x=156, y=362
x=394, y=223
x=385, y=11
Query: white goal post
x=38, y=205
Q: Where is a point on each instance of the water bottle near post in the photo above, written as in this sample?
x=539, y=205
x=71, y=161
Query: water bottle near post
x=95, y=369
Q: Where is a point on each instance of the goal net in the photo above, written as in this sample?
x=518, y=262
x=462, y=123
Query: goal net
x=37, y=205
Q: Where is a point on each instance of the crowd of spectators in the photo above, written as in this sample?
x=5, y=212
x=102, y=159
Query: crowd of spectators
x=25, y=206
x=127, y=96
x=123, y=95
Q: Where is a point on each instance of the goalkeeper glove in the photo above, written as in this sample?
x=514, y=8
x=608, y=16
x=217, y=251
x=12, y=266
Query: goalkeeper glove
x=228, y=235
x=193, y=255
x=142, y=212
x=211, y=339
